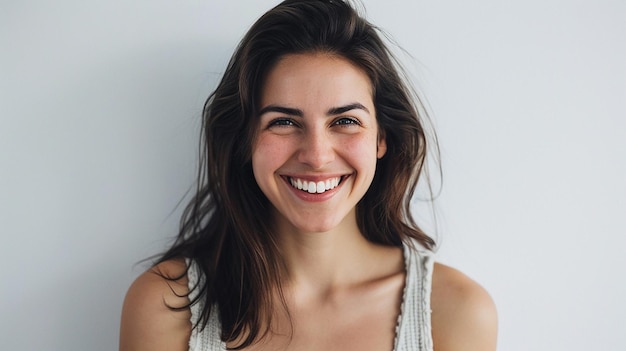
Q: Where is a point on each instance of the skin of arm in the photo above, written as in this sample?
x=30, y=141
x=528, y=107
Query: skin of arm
x=147, y=323
x=464, y=316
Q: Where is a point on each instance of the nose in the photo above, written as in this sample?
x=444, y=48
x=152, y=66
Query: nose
x=316, y=149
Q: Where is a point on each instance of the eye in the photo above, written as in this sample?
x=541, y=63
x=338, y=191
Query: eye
x=281, y=122
x=346, y=122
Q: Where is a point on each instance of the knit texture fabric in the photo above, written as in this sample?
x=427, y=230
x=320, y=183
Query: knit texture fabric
x=413, y=330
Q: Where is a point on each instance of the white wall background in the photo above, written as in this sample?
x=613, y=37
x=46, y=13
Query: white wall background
x=99, y=111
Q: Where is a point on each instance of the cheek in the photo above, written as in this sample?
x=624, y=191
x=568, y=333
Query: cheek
x=362, y=149
x=267, y=155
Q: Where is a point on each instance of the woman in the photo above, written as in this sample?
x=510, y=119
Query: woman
x=300, y=236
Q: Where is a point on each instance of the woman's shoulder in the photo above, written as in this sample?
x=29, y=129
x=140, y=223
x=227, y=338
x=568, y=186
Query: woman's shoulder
x=463, y=313
x=149, y=321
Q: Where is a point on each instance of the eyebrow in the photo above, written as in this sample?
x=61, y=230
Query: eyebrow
x=297, y=112
x=343, y=109
x=281, y=109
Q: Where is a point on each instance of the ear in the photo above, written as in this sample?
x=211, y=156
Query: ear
x=381, y=148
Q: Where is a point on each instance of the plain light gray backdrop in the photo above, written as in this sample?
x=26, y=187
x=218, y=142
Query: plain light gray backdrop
x=99, y=116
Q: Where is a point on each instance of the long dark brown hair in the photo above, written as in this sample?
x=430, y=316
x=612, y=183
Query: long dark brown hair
x=225, y=228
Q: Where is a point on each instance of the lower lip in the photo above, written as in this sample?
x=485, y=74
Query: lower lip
x=315, y=197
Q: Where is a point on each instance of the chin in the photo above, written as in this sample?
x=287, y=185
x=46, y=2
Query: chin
x=321, y=221
x=316, y=226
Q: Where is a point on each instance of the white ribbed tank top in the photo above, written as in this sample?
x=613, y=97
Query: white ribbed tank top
x=413, y=331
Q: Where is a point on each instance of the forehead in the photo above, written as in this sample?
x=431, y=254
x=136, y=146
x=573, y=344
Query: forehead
x=320, y=78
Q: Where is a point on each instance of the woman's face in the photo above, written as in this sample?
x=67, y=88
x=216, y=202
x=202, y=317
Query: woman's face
x=317, y=144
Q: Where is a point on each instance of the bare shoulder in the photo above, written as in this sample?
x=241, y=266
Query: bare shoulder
x=464, y=315
x=147, y=321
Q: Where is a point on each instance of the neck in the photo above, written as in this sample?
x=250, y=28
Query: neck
x=331, y=260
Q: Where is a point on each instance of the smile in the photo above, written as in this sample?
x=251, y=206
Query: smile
x=315, y=187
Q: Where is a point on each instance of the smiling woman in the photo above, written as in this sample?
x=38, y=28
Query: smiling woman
x=300, y=236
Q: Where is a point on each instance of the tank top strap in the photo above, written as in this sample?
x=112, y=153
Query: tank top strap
x=209, y=338
x=413, y=332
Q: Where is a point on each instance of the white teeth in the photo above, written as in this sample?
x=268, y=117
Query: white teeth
x=315, y=187
x=321, y=187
